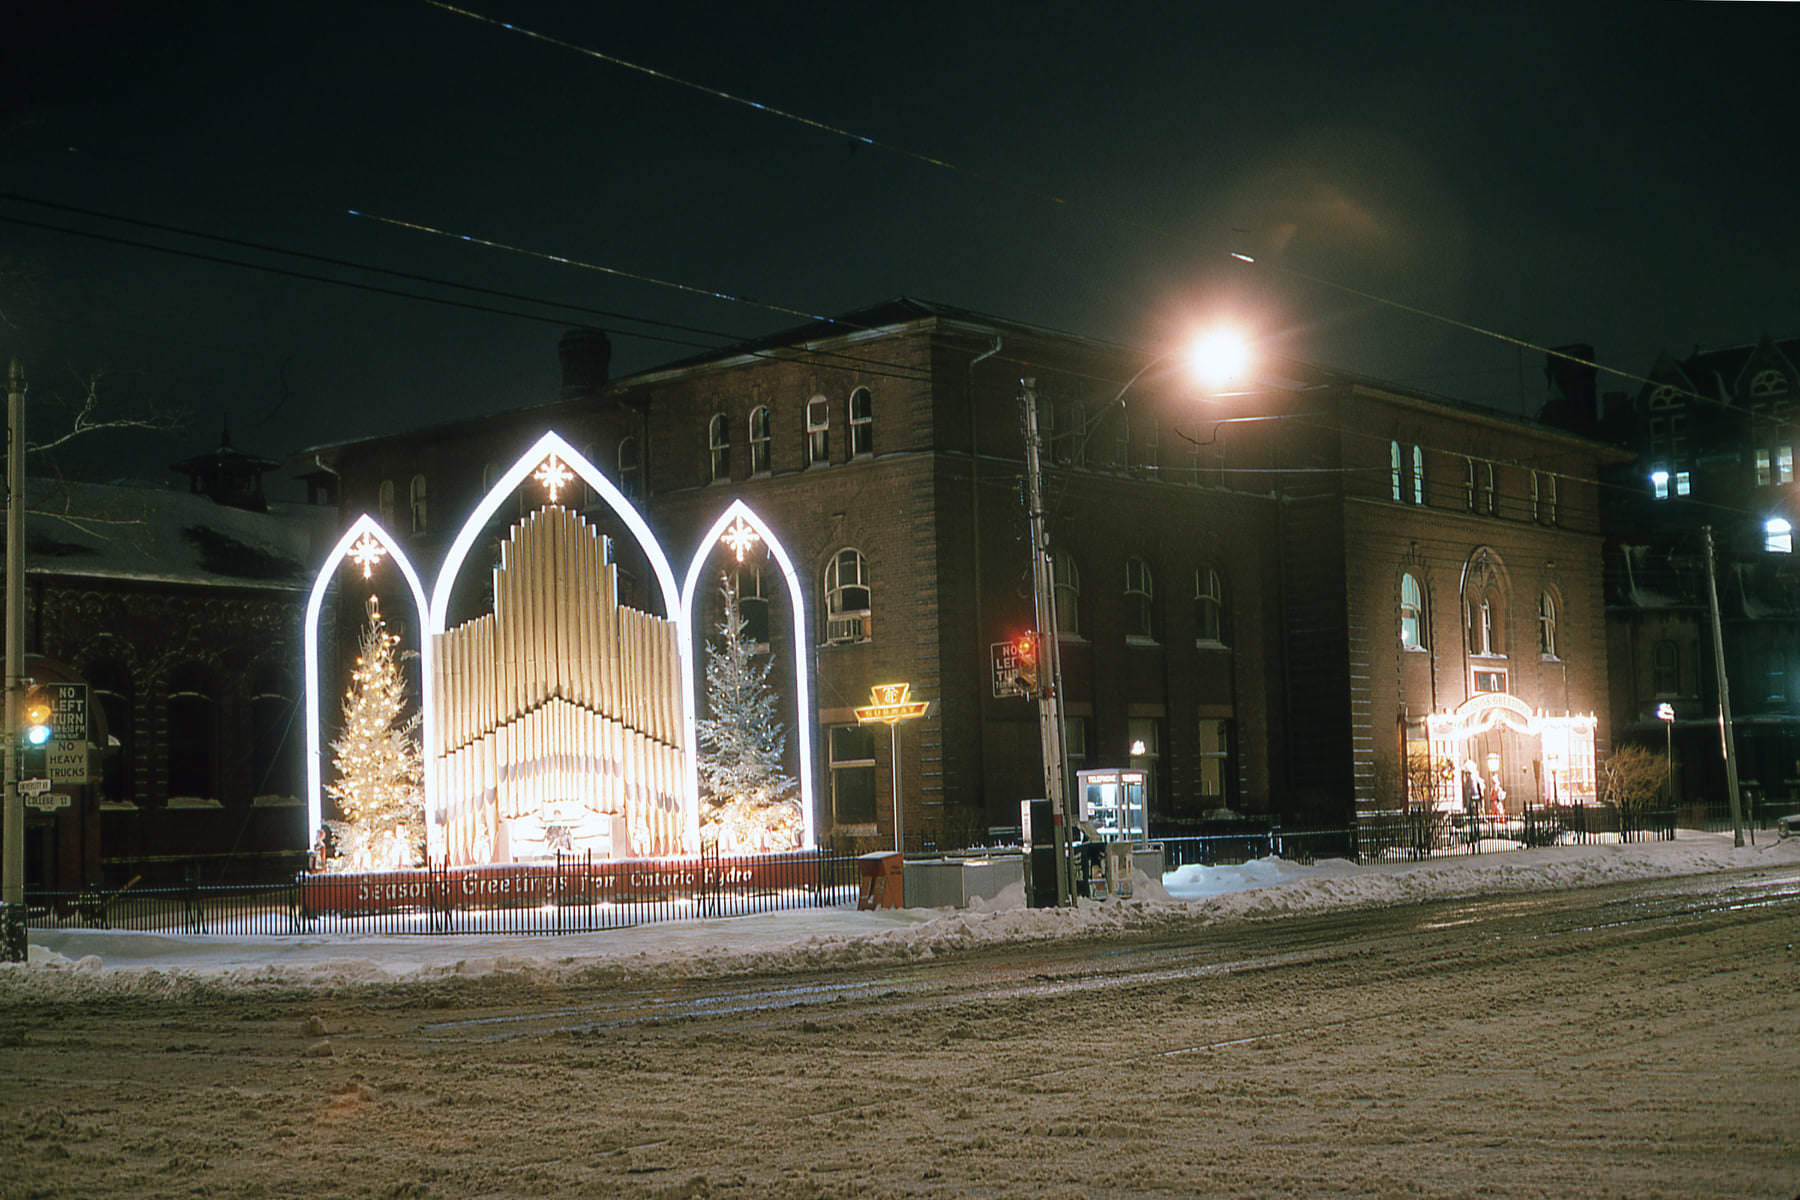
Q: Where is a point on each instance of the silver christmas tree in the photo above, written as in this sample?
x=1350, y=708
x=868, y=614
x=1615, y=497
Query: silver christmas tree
x=747, y=801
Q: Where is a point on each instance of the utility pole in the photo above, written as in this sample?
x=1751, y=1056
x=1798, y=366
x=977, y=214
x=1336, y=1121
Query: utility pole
x=1043, y=590
x=12, y=830
x=1725, y=737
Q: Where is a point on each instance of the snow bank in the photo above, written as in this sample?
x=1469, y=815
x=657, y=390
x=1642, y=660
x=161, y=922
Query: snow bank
x=88, y=964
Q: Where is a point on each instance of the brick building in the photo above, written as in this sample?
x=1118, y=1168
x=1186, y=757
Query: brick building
x=1230, y=570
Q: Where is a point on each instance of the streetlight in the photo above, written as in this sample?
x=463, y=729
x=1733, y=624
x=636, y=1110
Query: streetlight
x=1665, y=712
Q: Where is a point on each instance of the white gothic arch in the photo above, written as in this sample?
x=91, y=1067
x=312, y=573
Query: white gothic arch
x=314, y=770
x=515, y=476
x=803, y=717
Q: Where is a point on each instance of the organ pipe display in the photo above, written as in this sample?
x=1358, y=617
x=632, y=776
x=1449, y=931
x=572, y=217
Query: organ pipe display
x=559, y=713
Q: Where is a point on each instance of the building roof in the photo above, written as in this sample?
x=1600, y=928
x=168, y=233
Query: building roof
x=147, y=534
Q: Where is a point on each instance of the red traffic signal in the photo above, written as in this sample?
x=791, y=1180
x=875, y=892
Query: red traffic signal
x=1025, y=655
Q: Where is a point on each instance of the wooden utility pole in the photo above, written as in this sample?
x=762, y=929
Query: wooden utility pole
x=12, y=830
x=1726, y=740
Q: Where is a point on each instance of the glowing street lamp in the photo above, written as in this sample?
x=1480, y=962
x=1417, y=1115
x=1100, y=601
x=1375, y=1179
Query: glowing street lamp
x=1665, y=712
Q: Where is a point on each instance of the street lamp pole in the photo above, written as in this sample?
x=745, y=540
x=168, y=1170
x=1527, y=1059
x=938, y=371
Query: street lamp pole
x=1043, y=591
x=1665, y=712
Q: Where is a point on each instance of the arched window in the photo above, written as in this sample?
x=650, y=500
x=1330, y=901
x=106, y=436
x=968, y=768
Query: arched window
x=1066, y=582
x=759, y=441
x=1547, y=624
x=1486, y=622
x=862, y=422
x=1549, y=498
x=275, y=739
x=1418, y=472
x=1140, y=597
x=1490, y=489
x=848, y=617
x=193, y=739
x=1209, y=606
x=589, y=496
x=416, y=497
x=753, y=603
x=631, y=480
x=1412, y=613
x=718, y=448
x=818, y=431
x=113, y=694
x=384, y=503
x=1469, y=483
x=1768, y=383
x=1394, y=469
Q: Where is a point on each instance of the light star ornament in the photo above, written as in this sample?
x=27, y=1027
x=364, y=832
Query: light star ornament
x=740, y=538
x=366, y=553
x=554, y=475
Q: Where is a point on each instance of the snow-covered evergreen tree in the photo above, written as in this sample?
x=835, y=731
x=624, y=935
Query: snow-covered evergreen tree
x=747, y=801
x=378, y=760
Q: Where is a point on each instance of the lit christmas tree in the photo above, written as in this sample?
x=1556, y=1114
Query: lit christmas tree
x=747, y=801
x=378, y=763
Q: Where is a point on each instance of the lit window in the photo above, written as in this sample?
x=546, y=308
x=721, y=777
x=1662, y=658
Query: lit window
x=847, y=612
x=1209, y=606
x=862, y=422
x=1681, y=483
x=1066, y=577
x=759, y=441
x=1140, y=590
x=1412, y=614
x=852, y=766
x=630, y=470
x=1547, y=625
x=417, y=496
x=818, y=431
x=1145, y=736
x=1762, y=468
x=1659, y=484
x=1418, y=472
x=1394, y=469
x=1778, y=536
x=1784, y=464
x=718, y=446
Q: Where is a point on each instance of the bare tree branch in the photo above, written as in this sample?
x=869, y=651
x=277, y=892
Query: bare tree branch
x=85, y=421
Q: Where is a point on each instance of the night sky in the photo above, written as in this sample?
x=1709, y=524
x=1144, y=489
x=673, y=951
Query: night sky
x=1619, y=174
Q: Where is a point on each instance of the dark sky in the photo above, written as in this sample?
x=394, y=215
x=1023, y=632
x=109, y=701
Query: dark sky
x=1621, y=174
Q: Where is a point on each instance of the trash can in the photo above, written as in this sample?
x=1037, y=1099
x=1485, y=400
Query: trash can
x=883, y=880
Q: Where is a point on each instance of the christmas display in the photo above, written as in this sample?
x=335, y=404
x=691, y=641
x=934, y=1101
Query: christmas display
x=378, y=787
x=747, y=800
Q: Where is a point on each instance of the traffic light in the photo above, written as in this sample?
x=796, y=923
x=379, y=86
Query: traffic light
x=1025, y=654
x=37, y=716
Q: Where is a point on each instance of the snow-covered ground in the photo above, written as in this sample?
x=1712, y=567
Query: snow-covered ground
x=76, y=963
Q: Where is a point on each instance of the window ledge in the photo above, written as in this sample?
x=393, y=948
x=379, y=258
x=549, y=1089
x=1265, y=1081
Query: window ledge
x=1139, y=639
x=1210, y=644
x=1425, y=650
x=1072, y=638
x=1489, y=657
x=195, y=802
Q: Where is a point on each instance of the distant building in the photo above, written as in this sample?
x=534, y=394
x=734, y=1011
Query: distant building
x=1267, y=600
x=1713, y=437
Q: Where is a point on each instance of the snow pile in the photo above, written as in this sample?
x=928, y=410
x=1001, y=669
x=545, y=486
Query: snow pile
x=80, y=964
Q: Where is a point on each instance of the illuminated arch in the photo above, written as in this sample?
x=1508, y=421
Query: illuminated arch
x=803, y=720
x=365, y=524
x=552, y=443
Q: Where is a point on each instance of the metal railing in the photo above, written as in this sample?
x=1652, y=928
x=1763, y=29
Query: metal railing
x=568, y=895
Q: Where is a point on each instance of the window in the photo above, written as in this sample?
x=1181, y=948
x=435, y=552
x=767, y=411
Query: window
x=384, y=503
x=862, y=423
x=1768, y=383
x=718, y=448
x=113, y=694
x=1665, y=668
x=1485, y=623
x=1547, y=625
x=1549, y=498
x=847, y=615
x=1762, y=468
x=1122, y=442
x=1778, y=536
x=1490, y=488
x=1681, y=483
x=1216, y=773
x=1536, y=485
x=753, y=604
x=1209, y=606
x=1394, y=468
x=1543, y=496
x=1469, y=483
x=1140, y=595
x=759, y=441
x=1066, y=583
x=416, y=494
x=1066, y=431
x=1152, y=444
x=631, y=480
x=275, y=740
x=818, y=431
x=1412, y=614
x=590, y=496
x=1784, y=464
x=852, y=749
x=1659, y=484
x=1145, y=736
x=1778, y=679
x=1488, y=679
x=193, y=736
x=1418, y=474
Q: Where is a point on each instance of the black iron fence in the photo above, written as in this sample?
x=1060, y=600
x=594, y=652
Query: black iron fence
x=568, y=895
